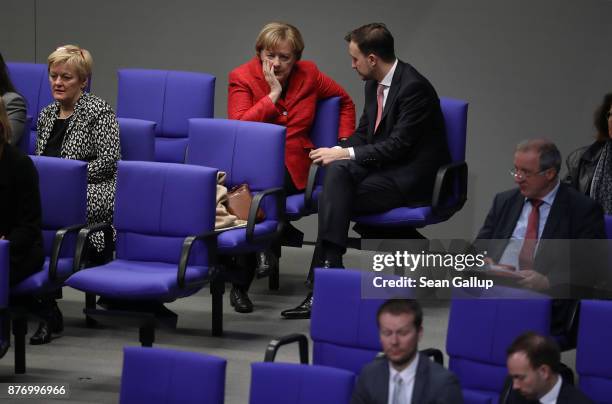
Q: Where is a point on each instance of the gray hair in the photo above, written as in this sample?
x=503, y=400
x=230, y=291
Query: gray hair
x=550, y=157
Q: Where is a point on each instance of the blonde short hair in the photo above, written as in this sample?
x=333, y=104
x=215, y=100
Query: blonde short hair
x=73, y=56
x=274, y=32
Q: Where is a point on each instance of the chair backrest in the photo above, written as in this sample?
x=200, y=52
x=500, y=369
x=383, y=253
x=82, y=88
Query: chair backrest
x=25, y=140
x=31, y=81
x=154, y=375
x=137, y=139
x=157, y=205
x=608, y=219
x=63, y=197
x=248, y=152
x=288, y=383
x=479, y=332
x=343, y=324
x=324, y=132
x=168, y=98
x=594, y=351
x=455, y=119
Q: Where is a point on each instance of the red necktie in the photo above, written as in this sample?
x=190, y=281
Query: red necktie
x=531, y=236
x=379, y=103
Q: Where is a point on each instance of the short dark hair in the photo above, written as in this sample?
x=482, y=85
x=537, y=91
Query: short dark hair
x=540, y=350
x=550, y=156
x=373, y=38
x=601, y=118
x=401, y=306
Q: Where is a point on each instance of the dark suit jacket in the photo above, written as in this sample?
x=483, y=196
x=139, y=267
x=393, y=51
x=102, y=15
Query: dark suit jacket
x=410, y=141
x=20, y=213
x=432, y=384
x=572, y=216
x=568, y=395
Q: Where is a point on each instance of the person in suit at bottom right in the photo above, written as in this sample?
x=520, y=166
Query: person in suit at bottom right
x=534, y=363
x=402, y=375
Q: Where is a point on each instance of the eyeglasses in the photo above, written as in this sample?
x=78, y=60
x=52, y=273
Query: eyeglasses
x=521, y=175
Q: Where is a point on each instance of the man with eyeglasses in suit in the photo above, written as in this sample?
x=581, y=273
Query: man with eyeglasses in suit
x=535, y=229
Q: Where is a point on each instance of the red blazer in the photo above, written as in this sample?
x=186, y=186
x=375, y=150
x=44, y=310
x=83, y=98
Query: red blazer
x=248, y=101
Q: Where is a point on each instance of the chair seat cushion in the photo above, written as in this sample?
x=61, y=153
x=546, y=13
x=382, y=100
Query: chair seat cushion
x=398, y=217
x=136, y=280
x=294, y=205
x=234, y=241
x=39, y=282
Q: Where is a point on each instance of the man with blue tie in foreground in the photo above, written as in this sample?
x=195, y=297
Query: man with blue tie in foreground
x=402, y=375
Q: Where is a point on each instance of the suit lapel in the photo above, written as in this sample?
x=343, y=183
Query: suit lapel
x=420, y=379
x=371, y=108
x=516, y=207
x=554, y=216
x=395, y=86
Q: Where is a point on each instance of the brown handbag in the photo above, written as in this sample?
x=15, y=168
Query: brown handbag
x=239, y=200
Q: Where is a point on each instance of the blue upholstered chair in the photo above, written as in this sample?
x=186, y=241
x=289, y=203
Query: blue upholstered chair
x=324, y=133
x=286, y=383
x=137, y=139
x=24, y=140
x=5, y=336
x=343, y=325
x=32, y=81
x=164, y=217
x=153, y=375
x=168, y=98
x=450, y=189
x=608, y=220
x=594, y=351
x=63, y=195
x=480, y=331
x=251, y=153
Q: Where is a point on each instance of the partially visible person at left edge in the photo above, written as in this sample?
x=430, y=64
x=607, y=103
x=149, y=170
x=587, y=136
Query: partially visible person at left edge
x=14, y=104
x=20, y=212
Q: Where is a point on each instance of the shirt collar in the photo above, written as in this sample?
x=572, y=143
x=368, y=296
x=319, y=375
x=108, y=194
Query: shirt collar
x=386, y=81
x=549, y=198
x=409, y=371
x=553, y=394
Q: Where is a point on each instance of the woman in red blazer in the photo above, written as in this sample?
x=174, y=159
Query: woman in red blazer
x=277, y=87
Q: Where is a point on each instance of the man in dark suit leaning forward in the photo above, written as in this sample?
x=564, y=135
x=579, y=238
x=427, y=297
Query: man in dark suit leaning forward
x=534, y=363
x=403, y=376
x=392, y=158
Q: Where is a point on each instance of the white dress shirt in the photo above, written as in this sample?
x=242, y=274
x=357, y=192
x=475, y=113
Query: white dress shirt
x=408, y=375
x=553, y=394
x=386, y=81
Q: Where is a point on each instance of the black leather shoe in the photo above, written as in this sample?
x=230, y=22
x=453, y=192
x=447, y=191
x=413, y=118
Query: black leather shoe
x=331, y=264
x=240, y=301
x=300, y=312
x=53, y=324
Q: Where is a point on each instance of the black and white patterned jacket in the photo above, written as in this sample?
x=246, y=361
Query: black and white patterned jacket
x=92, y=136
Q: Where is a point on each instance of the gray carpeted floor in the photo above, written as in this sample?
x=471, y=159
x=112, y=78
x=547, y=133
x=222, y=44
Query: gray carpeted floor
x=90, y=360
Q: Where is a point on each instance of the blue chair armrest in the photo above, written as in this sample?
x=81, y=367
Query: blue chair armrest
x=444, y=178
x=280, y=211
x=58, y=240
x=82, y=241
x=210, y=239
x=310, y=185
x=275, y=344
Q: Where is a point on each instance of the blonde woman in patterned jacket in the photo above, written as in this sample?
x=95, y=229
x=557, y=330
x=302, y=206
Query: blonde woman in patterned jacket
x=78, y=126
